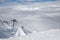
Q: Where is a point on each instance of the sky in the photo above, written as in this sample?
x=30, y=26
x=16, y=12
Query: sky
x=25, y=0
x=21, y=1
x=42, y=15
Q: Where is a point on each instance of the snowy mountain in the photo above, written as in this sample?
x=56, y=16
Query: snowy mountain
x=7, y=31
x=53, y=34
x=3, y=25
x=20, y=33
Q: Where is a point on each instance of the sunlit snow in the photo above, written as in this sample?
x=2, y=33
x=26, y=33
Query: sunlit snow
x=45, y=35
x=19, y=34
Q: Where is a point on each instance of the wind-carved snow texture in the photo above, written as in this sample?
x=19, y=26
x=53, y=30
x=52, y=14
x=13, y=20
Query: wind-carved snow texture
x=6, y=31
x=53, y=34
x=20, y=33
x=4, y=25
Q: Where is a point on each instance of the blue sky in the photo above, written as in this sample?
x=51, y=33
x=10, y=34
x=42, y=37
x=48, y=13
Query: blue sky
x=28, y=0
x=43, y=0
x=33, y=0
x=25, y=0
x=21, y=1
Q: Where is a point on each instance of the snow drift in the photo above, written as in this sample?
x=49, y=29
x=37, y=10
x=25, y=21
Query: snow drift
x=20, y=33
x=53, y=34
x=7, y=31
x=4, y=26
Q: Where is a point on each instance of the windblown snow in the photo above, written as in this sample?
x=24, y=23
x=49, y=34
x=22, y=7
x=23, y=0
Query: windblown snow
x=53, y=34
x=21, y=34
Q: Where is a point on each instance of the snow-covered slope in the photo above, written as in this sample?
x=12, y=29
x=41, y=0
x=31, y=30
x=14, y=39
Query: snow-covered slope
x=20, y=33
x=4, y=26
x=53, y=34
x=7, y=31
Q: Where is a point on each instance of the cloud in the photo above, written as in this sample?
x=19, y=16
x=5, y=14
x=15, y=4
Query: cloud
x=2, y=0
x=23, y=1
x=41, y=15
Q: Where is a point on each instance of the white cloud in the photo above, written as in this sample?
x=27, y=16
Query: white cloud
x=3, y=0
x=51, y=6
x=42, y=15
x=46, y=7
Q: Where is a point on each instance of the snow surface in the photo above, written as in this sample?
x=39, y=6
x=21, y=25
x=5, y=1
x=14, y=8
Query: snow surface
x=53, y=34
x=18, y=33
x=4, y=25
x=8, y=32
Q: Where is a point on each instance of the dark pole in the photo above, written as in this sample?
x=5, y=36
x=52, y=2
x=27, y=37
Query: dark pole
x=13, y=24
x=22, y=27
x=14, y=20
